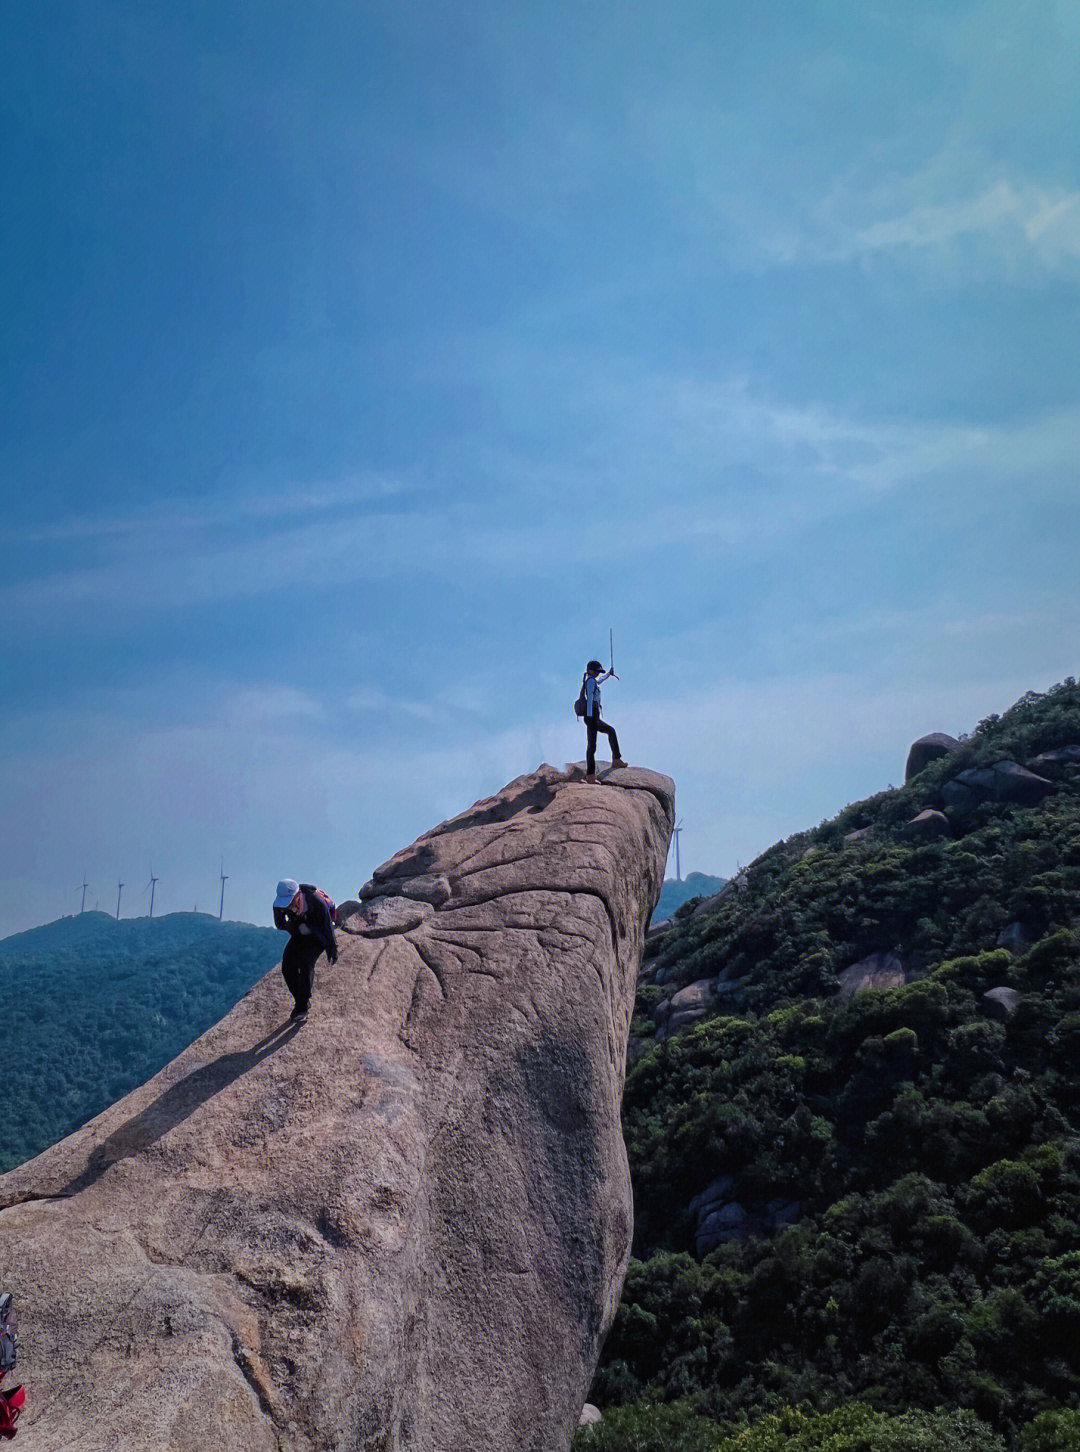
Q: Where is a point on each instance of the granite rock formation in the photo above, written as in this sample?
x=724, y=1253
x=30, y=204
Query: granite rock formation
x=1005, y=782
x=1057, y=763
x=928, y=826
x=879, y=970
x=927, y=749
x=401, y=1226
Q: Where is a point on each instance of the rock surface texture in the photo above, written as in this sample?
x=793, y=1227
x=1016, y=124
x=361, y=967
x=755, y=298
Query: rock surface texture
x=879, y=970
x=403, y=1225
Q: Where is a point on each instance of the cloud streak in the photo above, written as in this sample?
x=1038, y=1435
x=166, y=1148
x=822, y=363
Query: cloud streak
x=811, y=462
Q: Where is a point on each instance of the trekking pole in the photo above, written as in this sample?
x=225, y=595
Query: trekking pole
x=611, y=653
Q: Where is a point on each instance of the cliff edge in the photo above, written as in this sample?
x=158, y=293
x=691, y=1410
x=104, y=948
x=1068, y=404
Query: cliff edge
x=403, y=1225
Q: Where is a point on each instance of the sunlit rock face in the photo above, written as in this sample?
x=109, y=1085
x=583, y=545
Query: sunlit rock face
x=403, y=1225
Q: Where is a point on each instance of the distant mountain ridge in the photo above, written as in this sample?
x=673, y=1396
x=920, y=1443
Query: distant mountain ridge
x=76, y=931
x=676, y=891
x=94, y=1006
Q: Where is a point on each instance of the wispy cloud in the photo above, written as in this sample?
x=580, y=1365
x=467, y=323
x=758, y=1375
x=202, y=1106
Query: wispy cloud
x=257, y=706
x=807, y=463
x=955, y=217
x=222, y=512
x=1016, y=218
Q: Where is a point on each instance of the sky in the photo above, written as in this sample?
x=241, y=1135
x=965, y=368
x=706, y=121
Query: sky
x=364, y=365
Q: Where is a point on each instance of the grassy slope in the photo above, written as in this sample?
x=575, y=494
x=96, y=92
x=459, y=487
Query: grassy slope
x=94, y=1007
x=935, y=1151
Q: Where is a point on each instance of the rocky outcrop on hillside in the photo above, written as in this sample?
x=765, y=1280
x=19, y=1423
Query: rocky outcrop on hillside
x=879, y=970
x=401, y=1226
x=927, y=749
x=1005, y=782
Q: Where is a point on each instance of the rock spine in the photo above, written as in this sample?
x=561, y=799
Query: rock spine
x=403, y=1226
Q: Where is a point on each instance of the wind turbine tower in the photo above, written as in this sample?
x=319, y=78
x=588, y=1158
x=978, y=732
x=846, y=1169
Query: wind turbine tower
x=119, y=890
x=675, y=834
x=85, y=885
x=224, y=880
x=153, y=883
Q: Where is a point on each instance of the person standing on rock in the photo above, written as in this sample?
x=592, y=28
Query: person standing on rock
x=302, y=911
x=590, y=687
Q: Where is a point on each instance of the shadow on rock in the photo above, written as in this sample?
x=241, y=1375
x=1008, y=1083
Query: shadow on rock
x=174, y=1106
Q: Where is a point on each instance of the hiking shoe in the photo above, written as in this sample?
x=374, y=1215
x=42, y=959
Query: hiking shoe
x=298, y=1015
x=590, y=776
x=618, y=761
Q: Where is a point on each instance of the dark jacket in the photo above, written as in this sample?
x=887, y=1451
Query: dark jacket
x=315, y=917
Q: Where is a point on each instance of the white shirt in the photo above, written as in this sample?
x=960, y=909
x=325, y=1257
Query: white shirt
x=592, y=693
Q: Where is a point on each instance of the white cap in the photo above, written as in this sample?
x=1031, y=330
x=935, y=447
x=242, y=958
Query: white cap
x=286, y=891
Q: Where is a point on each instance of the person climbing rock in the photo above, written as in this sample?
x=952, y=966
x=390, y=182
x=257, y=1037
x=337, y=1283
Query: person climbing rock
x=13, y=1399
x=307, y=914
x=590, y=688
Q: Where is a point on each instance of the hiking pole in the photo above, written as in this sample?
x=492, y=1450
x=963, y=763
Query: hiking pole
x=611, y=653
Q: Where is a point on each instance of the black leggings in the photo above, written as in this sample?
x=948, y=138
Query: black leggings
x=593, y=724
x=298, y=967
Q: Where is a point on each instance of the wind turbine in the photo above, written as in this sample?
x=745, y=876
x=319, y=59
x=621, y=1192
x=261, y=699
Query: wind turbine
x=224, y=880
x=675, y=834
x=119, y=890
x=85, y=885
x=151, y=885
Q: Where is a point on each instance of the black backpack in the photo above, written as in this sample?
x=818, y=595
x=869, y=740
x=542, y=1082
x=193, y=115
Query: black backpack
x=580, y=704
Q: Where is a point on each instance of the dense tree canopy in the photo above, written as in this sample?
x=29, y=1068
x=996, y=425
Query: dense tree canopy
x=94, y=1007
x=928, y=1140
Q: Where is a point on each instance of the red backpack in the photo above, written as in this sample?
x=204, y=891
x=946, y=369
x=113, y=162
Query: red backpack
x=331, y=905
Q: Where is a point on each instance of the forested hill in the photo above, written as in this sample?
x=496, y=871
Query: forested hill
x=853, y=1122
x=94, y=1006
x=677, y=891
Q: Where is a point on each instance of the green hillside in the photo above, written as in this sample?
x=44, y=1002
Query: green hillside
x=677, y=891
x=93, y=1007
x=865, y=1201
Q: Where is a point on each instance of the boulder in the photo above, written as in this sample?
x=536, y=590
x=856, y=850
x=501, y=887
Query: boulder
x=590, y=1416
x=345, y=910
x=404, y=1224
x=1014, y=936
x=720, y=1219
x=929, y=826
x=693, y=996
x=1057, y=763
x=726, y=1222
x=859, y=834
x=1005, y=782
x=684, y=1008
x=1001, y=1002
x=879, y=970
x=434, y=889
x=379, y=917
x=927, y=749
x=713, y=1196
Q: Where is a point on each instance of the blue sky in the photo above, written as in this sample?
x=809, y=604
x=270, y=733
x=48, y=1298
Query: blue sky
x=363, y=365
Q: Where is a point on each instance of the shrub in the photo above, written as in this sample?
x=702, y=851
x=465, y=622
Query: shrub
x=1056, y=1431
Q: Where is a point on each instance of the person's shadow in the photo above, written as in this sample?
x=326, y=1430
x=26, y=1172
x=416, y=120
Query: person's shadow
x=174, y=1106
